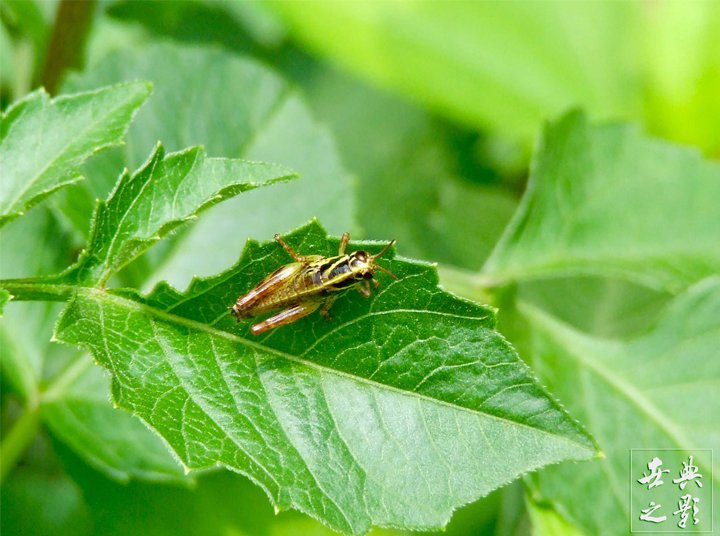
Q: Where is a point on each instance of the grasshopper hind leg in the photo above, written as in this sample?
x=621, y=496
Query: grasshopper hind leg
x=284, y=317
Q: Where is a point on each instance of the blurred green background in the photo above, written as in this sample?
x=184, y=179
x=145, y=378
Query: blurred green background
x=410, y=120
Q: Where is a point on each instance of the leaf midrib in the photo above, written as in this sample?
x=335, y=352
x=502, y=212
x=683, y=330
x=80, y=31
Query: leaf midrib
x=119, y=225
x=322, y=369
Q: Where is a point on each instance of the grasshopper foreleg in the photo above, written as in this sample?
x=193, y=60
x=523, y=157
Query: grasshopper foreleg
x=325, y=311
x=364, y=289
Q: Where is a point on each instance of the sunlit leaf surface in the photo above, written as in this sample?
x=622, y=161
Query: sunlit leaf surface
x=396, y=412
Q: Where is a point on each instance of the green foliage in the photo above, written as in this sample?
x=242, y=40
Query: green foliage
x=410, y=404
x=247, y=112
x=659, y=390
x=411, y=162
x=61, y=386
x=61, y=133
x=162, y=195
x=77, y=412
x=448, y=55
x=583, y=214
x=4, y=298
x=399, y=389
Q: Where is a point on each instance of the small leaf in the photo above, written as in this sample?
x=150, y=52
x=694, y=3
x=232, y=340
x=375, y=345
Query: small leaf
x=609, y=200
x=399, y=410
x=164, y=193
x=43, y=141
x=660, y=390
x=248, y=112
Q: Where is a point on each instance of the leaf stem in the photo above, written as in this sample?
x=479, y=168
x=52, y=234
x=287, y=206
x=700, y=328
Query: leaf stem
x=31, y=289
x=473, y=285
x=18, y=439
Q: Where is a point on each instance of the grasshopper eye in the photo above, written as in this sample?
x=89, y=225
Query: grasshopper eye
x=361, y=256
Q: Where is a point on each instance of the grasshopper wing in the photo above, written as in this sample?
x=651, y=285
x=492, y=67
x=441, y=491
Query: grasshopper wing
x=271, y=283
x=244, y=305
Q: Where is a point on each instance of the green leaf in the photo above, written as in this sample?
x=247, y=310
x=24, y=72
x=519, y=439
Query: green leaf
x=44, y=141
x=660, y=390
x=77, y=411
x=607, y=200
x=398, y=411
x=240, y=26
x=247, y=112
x=221, y=502
x=166, y=192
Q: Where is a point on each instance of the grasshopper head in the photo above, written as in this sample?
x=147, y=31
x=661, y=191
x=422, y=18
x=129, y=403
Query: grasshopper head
x=363, y=264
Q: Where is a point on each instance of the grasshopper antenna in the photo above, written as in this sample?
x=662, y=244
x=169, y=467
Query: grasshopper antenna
x=382, y=252
x=388, y=272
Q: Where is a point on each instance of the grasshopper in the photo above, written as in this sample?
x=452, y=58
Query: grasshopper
x=311, y=282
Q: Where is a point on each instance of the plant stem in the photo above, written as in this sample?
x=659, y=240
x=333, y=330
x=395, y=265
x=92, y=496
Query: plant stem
x=67, y=43
x=18, y=439
x=471, y=285
x=36, y=290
